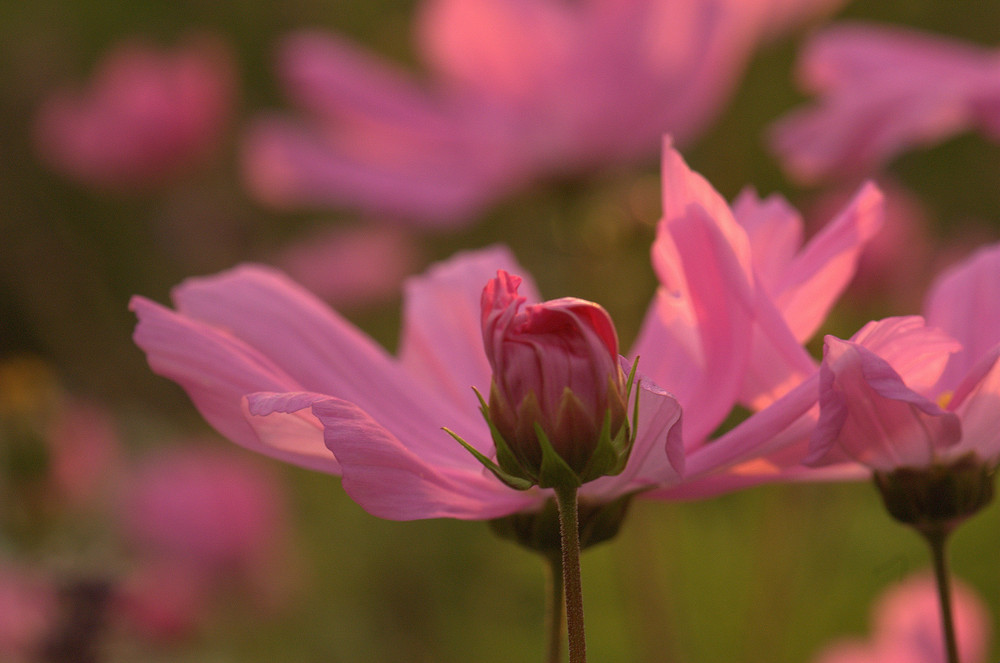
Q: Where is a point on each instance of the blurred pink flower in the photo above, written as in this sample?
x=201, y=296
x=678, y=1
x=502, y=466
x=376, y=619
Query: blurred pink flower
x=930, y=394
x=84, y=452
x=906, y=624
x=516, y=90
x=276, y=371
x=351, y=266
x=208, y=509
x=28, y=612
x=162, y=601
x=740, y=293
x=884, y=90
x=145, y=116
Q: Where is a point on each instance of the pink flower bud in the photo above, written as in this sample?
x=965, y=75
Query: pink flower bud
x=555, y=367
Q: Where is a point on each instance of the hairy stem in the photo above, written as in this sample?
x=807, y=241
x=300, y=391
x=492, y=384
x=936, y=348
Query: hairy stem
x=572, y=586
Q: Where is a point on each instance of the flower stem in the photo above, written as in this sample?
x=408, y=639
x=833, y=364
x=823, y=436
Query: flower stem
x=554, y=609
x=938, y=539
x=572, y=586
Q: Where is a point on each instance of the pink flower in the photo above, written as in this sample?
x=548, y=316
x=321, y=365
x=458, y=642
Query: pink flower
x=884, y=90
x=740, y=293
x=350, y=267
x=209, y=510
x=923, y=397
x=28, y=612
x=146, y=116
x=555, y=366
x=84, y=452
x=276, y=371
x=516, y=90
x=907, y=627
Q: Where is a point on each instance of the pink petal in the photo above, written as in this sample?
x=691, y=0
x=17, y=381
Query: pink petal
x=694, y=339
x=869, y=412
x=819, y=273
x=217, y=370
x=326, y=354
x=775, y=231
x=658, y=454
x=330, y=76
x=965, y=302
x=285, y=165
x=915, y=351
x=977, y=403
x=684, y=189
x=390, y=481
x=883, y=91
x=503, y=48
x=442, y=338
x=785, y=422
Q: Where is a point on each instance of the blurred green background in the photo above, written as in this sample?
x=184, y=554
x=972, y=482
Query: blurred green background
x=770, y=574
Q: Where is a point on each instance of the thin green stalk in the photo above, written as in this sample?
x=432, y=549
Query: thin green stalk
x=554, y=609
x=569, y=530
x=938, y=540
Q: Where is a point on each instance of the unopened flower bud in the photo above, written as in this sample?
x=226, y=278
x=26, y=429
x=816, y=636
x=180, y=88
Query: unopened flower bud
x=557, y=384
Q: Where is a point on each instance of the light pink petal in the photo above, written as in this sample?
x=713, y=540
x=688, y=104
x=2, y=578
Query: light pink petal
x=883, y=91
x=819, y=273
x=326, y=354
x=289, y=432
x=285, y=165
x=785, y=422
x=217, y=370
x=775, y=231
x=442, y=337
x=915, y=351
x=977, y=403
x=658, y=454
x=330, y=76
x=778, y=362
x=684, y=189
x=695, y=338
x=502, y=48
x=868, y=412
x=965, y=302
x=390, y=481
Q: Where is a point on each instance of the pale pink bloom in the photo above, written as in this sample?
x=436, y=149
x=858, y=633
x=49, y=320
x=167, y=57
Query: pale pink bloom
x=208, y=509
x=740, y=294
x=906, y=625
x=146, y=115
x=925, y=398
x=275, y=370
x=883, y=90
x=515, y=90
x=351, y=266
x=28, y=612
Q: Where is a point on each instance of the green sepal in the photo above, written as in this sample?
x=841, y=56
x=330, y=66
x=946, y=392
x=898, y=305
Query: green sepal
x=539, y=530
x=554, y=472
x=611, y=454
x=515, y=482
x=506, y=457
